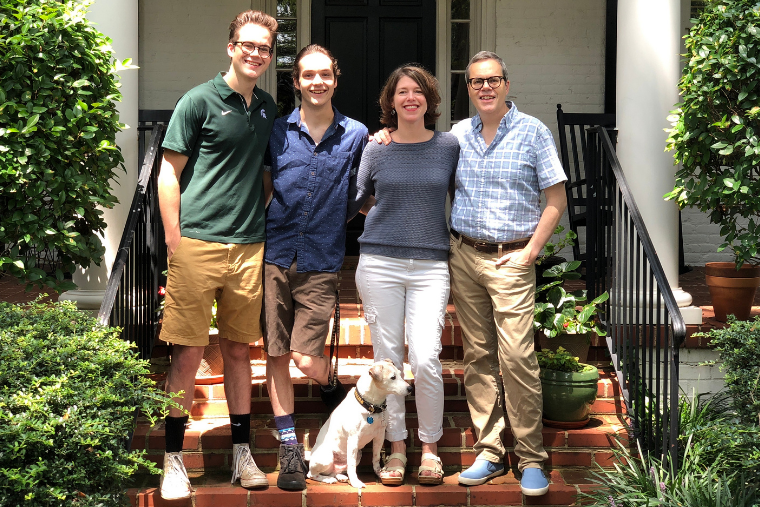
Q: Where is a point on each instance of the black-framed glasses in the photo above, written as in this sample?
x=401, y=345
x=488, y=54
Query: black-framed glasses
x=249, y=48
x=478, y=82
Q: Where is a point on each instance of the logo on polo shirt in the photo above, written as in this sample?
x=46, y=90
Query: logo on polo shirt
x=263, y=114
x=224, y=113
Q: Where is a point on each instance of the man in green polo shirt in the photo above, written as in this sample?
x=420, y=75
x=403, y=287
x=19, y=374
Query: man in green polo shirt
x=212, y=206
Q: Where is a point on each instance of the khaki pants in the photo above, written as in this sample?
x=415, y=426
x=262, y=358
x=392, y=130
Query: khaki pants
x=495, y=309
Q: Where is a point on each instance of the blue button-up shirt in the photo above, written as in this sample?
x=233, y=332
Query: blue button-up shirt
x=307, y=215
x=497, y=187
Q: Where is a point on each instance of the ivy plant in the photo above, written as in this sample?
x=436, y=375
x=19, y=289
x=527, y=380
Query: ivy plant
x=561, y=312
x=716, y=127
x=69, y=393
x=58, y=125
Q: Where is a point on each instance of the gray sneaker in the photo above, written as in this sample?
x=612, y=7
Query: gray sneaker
x=245, y=469
x=174, y=482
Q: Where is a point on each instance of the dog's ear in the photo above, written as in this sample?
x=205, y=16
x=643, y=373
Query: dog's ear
x=376, y=372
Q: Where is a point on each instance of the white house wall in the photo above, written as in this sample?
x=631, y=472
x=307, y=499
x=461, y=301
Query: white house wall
x=555, y=55
x=182, y=44
x=554, y=51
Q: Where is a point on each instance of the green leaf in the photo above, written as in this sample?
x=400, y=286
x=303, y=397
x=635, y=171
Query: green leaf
x=80, y=82
x=728, y=150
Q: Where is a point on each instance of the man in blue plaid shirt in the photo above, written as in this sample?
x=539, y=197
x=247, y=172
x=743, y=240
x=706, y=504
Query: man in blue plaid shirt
x=507, y=159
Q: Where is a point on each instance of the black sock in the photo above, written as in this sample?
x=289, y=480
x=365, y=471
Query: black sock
x=174, y=431
x=241, y=428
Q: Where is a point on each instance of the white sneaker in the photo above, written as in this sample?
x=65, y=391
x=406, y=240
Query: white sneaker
x=245, y=469
x=174, y=482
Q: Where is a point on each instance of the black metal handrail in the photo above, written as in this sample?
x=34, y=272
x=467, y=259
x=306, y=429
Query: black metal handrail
x=645, y=327
x=131, y=300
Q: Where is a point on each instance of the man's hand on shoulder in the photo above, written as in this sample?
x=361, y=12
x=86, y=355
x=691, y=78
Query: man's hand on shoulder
x=381, y=137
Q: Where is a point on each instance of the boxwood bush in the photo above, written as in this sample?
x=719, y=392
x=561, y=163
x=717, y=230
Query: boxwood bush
x=58, y=125
x=69, y=391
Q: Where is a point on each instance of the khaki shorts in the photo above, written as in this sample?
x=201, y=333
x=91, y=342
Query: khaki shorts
x=201, y=271
x=297, y=310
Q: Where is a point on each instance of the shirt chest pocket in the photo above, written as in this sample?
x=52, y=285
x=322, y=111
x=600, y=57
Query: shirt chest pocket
x=334, y=168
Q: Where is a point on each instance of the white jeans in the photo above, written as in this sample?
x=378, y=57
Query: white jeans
x=416, y=290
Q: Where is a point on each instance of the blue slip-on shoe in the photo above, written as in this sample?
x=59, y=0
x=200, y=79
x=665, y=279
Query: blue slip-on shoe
x=480, y=472
x=533, y=482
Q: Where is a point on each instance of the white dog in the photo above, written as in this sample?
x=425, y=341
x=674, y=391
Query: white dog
x=357, y=420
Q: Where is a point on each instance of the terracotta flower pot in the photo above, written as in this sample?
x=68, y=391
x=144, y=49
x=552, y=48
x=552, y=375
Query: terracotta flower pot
x=568, y=397
x=732, y=291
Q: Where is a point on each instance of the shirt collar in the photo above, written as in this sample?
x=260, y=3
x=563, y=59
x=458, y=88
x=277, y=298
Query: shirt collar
x=506, y=121
x=225, y=91
x=338, y=118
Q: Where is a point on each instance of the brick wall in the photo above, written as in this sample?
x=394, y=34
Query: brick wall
x=694, y=376
x=182, y=44
x=554, y=52
x=555, y=55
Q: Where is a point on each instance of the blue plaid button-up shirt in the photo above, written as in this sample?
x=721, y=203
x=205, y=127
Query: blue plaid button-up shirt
x=497, y=187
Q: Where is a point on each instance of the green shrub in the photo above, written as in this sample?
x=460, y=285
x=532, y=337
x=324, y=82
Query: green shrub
x=69, y=391
x=717, y=124
x=58, y=125
x=719, y=464
x=739, y=347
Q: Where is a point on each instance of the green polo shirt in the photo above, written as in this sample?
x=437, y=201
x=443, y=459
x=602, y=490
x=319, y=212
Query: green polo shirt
x=222, y=195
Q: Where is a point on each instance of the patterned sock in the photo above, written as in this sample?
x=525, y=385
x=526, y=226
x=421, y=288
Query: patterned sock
x=287, y=429
x=174, y=432
x=240, y=425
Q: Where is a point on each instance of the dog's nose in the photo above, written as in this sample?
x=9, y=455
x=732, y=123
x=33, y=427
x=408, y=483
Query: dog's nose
x=409, y=390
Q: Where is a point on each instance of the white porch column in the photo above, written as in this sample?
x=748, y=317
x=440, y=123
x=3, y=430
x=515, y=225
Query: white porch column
x=118, y=20
x=648, y=70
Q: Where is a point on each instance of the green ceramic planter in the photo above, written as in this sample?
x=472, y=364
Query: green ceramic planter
x=568, y=396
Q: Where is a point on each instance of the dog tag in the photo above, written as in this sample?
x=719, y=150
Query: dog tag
x=370, y=419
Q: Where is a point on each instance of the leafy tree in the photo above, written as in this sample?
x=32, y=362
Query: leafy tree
x=717, y=124
x=58, y=124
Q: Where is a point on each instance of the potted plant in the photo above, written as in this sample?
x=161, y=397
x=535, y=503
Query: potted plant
x=715, y=139
x=559, y=319
x=569, y=388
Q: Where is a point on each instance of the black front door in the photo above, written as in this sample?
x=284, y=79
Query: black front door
x=370, y=38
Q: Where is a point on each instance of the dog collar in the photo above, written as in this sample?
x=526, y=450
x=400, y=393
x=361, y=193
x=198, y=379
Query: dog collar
x=373, y=409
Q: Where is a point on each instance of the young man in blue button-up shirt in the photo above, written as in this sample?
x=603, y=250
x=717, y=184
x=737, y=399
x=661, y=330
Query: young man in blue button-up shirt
x=313, y=157
x=506, y=160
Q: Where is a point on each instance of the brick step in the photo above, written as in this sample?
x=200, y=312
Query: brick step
x=356, y=341
x=208, y=445
x=215, y=490
x=210, y=401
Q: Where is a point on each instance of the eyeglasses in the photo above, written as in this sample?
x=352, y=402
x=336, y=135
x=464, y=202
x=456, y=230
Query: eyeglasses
x=493, y=82
x=249, y=48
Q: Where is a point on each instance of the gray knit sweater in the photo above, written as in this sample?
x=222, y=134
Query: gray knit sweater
x=410, y=182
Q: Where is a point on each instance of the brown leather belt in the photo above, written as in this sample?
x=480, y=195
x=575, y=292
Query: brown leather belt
x=485, y=247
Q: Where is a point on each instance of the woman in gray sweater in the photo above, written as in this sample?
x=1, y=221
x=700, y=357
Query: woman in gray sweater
x=403, y=271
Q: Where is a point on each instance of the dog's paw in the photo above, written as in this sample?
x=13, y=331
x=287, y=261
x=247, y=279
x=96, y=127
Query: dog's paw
x=330, y=480
x=357, y=484
x=341, y=477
